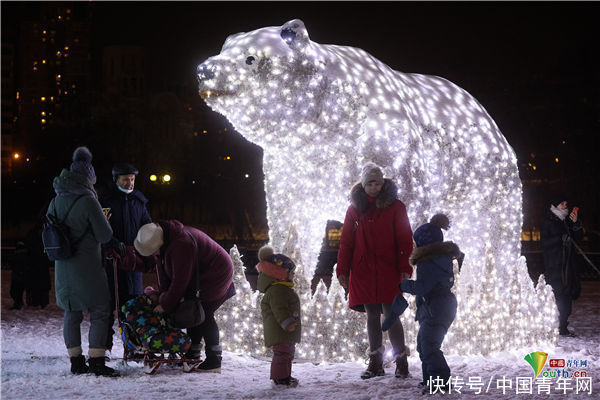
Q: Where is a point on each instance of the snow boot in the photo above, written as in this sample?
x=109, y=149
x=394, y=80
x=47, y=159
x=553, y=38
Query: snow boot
x=564, y=331
x=99, y=369
x=78, y=365
x=290, y=381
x=213, y=360
x=402, y=364
x=193, y=352
x=375, y=367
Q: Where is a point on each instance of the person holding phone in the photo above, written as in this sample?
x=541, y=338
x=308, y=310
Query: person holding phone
x=559, y=229
x=126, y=209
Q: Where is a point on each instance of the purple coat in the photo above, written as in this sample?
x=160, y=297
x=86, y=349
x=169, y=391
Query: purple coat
x=180, y=257
x=176, y=263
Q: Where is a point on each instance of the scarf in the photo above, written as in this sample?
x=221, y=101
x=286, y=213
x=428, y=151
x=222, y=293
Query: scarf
x=561, y=214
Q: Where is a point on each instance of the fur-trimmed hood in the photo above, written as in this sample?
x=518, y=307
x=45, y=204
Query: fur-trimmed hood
x=385, y=198
x=434, y=250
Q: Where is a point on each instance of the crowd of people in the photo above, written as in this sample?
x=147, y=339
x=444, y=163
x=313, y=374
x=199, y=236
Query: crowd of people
x=375, y=251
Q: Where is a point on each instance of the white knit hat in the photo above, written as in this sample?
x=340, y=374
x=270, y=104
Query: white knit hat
x=371, y=172
x=149, y=239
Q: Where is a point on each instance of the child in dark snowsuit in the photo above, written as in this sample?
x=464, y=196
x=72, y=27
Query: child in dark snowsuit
x=436, y=304
x=280, y=308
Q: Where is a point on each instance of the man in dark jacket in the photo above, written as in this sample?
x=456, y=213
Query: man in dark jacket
x=559, y=229
x=128, y=213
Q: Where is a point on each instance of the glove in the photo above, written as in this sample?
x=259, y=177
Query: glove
x=398, y=306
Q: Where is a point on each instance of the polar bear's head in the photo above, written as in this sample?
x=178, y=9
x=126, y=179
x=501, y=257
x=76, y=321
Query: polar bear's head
x=274, y=83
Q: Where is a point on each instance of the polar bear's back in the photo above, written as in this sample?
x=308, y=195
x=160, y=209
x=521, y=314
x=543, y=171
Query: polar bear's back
x=427, y=100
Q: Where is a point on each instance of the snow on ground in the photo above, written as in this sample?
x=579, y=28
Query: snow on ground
x=35, y=366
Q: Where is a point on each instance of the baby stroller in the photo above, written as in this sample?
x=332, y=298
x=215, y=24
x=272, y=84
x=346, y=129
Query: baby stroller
x=150, y=335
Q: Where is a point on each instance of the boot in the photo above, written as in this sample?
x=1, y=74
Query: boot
x=99, y=369
x=193, y=352
x=375, y=367
x=78, y=365
x=290, y=381
x=402, y=364
x=213, y=360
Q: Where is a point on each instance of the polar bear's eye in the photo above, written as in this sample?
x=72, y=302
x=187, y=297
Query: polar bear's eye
x=288, y=35
x=250, y=60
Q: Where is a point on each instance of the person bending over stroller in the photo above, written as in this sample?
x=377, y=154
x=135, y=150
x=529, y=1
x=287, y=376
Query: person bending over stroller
x=187, y=260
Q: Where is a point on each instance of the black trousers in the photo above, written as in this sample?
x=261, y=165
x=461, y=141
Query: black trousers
x=208, y=330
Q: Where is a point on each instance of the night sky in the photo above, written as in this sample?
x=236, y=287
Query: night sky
x=532, y=65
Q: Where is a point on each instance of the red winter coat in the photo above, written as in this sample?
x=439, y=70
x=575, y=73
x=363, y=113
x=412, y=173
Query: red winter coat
x=375, y=246
x=176, y=266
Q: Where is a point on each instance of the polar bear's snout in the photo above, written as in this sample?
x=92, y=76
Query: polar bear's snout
x=205, y=72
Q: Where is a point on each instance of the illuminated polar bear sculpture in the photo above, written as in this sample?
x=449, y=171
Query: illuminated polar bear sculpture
x=322, y=111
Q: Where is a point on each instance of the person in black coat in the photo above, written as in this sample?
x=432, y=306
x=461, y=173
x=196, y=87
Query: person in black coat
x=559, y=229
x=128, y=213
x=327, y=255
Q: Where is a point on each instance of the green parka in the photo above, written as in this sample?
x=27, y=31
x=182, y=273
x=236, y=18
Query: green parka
x=279, y=307
x=80, y=281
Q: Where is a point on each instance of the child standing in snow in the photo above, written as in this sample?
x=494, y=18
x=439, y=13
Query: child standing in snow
x=280, y=308
x=436, y=304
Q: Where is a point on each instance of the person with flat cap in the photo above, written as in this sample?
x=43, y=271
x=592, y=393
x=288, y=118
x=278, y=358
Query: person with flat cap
x=128, y=213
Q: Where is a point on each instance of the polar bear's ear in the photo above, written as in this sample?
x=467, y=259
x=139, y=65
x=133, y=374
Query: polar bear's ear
x=294, y=34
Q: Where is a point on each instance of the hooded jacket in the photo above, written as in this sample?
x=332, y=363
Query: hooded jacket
x=280, y=306
x=375, y=245
x=80, y=281
x=435, y=277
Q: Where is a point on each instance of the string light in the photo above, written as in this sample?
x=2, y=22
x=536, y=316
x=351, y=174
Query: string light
x=320, y=112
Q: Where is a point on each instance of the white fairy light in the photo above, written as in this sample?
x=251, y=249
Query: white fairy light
x=320, y=112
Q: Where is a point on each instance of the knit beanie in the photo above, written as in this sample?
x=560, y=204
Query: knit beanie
x=275, y=265
x=371, y=172
x=431, y=232
x=82, y=163
x=149, y=239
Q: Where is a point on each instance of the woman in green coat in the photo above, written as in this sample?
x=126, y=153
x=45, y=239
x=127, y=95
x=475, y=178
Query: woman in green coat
x=80, y=281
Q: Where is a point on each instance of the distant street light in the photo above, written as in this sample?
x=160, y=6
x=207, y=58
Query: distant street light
x=16, y=156
x=166, y=178
x=153, y=178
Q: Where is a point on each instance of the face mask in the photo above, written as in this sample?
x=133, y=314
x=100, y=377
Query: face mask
x=124, y=190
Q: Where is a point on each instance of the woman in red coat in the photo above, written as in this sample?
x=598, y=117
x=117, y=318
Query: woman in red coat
x=373, y=259
x=178, y=251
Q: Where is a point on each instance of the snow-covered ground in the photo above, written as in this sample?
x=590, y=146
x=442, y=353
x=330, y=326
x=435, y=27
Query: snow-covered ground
x=35, y=366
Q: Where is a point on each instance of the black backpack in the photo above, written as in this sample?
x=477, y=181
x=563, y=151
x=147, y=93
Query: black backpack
x=55, y=236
